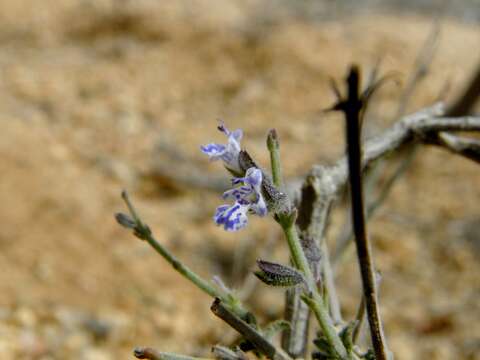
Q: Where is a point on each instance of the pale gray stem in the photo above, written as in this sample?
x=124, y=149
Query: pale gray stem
x=152, y=354
x=416, y=127
x=421, y=67
x=297, y=313
x=329, y=283
x=223, y=353
x=467, y=147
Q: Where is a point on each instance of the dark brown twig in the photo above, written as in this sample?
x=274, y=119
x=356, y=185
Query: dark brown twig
x=360, y=316
x=248, y=332
x=352, y=108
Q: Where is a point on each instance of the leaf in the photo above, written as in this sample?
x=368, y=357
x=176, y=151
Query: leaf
x=278, y=275
x=275, y=327
x=313, y=255
x=347, y=335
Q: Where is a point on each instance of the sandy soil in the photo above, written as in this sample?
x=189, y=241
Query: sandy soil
x=94, y=96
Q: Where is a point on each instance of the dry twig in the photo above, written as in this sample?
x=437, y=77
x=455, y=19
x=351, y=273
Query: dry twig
x=352, y=107
x=248, y=332
x=152, y=354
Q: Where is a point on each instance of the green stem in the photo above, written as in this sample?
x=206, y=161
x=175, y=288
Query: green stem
x=201, y=283
x=274, y=148
x=143, y=232
x=315, y=300
x=287, y=221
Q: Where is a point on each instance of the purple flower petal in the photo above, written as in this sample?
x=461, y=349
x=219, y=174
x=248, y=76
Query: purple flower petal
x=238, y=193
x=254, y=177
x=233, y=218
x=213, y=150
x=259, y=207
x=228, y=153
x=237, y=135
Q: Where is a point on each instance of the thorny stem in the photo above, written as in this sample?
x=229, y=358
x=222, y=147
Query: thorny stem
x=352, y=108
x=143, y=232
x=420, y=71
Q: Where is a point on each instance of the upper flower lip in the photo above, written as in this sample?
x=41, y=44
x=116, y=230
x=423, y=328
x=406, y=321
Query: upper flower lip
x=228, y=153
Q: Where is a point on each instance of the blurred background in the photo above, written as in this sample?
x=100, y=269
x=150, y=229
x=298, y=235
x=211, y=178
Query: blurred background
x=98, y=96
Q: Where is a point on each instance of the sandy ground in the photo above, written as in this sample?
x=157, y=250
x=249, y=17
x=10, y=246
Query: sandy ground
x=94, y=96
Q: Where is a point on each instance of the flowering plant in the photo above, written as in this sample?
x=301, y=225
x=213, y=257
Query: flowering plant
x=309, y=278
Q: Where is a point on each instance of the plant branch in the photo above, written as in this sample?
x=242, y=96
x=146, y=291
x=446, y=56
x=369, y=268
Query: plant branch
x=344, y=240
x=285, y=214
x=294, y=340
x=152, y=354
x=248, y=332
x=468, y=97
x=359, y=317
x=467, y=147
x=420, y=71
x=314, y=300
x=273, y=146
x=421, y=67
x=352, y=108
x=297, y=313
x=143, y=232
x=413, y=128
x=223, y=353
x=329, y=283
x=313, y=212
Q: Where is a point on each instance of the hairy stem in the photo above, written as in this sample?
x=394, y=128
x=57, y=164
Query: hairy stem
x=316, y=304
x=297, y=313
x=142, y=231
x=273, y=146
x=299, y=259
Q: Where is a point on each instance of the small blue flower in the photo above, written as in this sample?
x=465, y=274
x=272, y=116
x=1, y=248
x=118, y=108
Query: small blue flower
x=248, y=198
x=228, y=153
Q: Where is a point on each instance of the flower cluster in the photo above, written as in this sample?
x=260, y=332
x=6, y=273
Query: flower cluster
x=246, y=193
